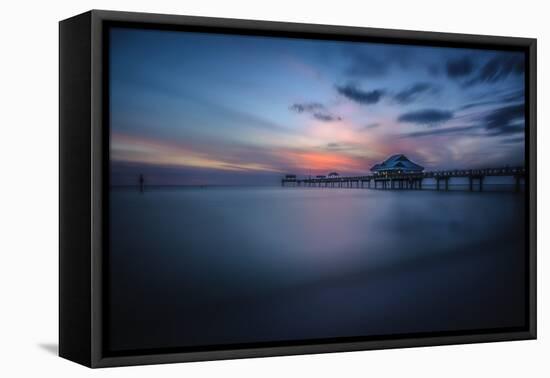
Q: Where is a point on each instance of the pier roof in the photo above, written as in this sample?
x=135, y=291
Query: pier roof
x=398, y=162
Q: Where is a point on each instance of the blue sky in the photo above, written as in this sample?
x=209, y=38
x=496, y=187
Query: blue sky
x=199, y=109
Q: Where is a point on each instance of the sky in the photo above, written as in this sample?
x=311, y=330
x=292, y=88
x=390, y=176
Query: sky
x=213, y=109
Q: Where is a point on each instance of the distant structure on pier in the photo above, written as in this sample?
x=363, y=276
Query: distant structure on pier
x=333, y=174
x=396, y=164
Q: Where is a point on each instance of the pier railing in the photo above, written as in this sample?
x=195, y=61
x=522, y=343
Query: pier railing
x=409, y=180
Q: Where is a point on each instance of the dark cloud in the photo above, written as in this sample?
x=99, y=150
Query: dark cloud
x=333, y=147
x=499, y=68
x=430, y=117
x=496, y=69
x=459, y=68
x=508, y=97
x=325, y=117
x=337, y=147
x=366, y=65
x=317, y=111
x=514, y=96
x=360, y=96
x=371, y=126
x=505, y=120
x=508, y=130
x=307, y=107
x=514, y=140
x=448, y=131
x=412, y=93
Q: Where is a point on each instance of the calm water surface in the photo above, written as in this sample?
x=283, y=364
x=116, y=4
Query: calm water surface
x=195, y=267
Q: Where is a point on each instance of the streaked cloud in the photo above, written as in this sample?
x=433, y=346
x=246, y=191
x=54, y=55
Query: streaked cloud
x=506, y=120
x=514, y=96
x=499, y=68
x=131, y=149
x=317, y=111
x=414, y=91
x=446, y=131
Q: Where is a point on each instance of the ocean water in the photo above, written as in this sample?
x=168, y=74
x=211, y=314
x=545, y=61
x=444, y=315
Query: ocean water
x=191, y=267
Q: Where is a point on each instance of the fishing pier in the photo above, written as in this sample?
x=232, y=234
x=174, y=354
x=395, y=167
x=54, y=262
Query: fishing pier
x=402, y=180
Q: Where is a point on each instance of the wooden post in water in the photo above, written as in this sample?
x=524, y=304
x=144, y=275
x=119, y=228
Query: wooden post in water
x=141, y=182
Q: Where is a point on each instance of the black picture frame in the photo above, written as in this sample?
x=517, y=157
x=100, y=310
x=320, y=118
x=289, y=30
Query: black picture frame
x=83, y=181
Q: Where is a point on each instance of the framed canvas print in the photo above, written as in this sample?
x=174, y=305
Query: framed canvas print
x=233, y=188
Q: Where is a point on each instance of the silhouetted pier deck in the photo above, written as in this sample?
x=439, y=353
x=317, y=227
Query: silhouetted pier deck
x=410, y=181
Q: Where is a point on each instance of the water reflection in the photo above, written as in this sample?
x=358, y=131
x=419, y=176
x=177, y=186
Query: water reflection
x=233, y=265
